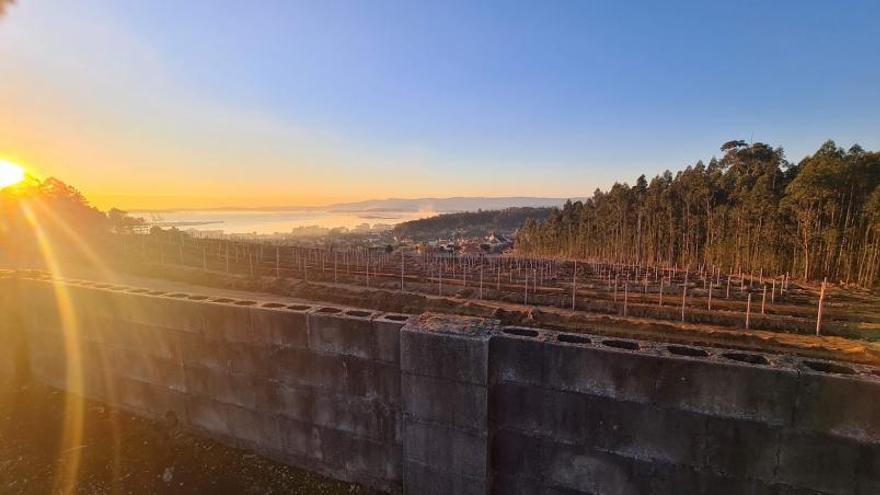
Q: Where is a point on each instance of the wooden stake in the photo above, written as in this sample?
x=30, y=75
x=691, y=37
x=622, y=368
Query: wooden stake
x=662, y=279
x=684, y=291
x=748, y=309
x=709, y=306
x=764, y=299
x=819, y=314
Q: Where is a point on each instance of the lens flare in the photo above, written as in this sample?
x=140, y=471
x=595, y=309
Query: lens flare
x=10, y=174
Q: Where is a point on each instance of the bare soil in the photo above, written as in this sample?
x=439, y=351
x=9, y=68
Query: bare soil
x=123, y=454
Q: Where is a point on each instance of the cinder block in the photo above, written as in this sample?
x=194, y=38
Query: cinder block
x=257, y=430
x=157, y=371
x=453, y=403
x=148, y=399
x=516, y=452
x=451, y=357
x=281, y=327
x=518, y=360
x=633, y=430
x=208, y=415
x=252, y=360
x=94, y=354
x=517, y=484
x=387, y=329
x=339, y=333
x=868, y=469
x=233, y=323
x=362, y=417
x=601, y=371
x=142, y=338
x=458, y=451
x=428, y=480
x=341, y=374
x=819, y=462
x=743, y=391
x=302, y=439
x=146, y=339
x=361, y=458
x=174, y=313
x=296, y=403
x=198, y=351
x=741, y=449
x=49, y=366
x=576, y=467
x=846, y=406
x=671, y=478
x=227, y=388
x=384, y=383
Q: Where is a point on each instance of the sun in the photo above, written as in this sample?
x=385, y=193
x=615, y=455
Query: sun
x=10, y=174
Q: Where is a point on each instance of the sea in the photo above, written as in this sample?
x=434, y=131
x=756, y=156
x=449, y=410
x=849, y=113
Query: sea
x=275, y=221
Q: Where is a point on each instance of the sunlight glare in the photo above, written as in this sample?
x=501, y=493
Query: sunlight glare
x=10, y=174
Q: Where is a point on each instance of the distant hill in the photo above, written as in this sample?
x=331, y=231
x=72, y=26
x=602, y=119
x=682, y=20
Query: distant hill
x=448, y=205
x=470, y=224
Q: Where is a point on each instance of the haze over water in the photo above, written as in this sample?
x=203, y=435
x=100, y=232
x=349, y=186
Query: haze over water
x=270, y=222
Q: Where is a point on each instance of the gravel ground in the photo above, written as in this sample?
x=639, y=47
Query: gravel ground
x=150, y=457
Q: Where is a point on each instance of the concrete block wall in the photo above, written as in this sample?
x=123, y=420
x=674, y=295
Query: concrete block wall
x=445, y=389
x=310, y=385
x=13, y=350
x=451, y=404
x=587, y=414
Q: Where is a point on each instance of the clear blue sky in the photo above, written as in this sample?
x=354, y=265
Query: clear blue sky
x=530, y=98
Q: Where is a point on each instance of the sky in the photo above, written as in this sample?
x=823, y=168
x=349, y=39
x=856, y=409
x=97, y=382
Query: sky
x=210, y=103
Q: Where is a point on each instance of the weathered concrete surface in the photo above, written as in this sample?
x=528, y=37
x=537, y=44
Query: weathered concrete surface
x=444, y=365
x=618, y=416
x=310, y=385
x=448, y=404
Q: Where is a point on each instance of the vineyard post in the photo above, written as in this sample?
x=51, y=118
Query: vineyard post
x=227, y=256
x=709, y=306
x=277, y=261
x=574, y=284
x=662, y=279
x=625, y=298
x=819, y=314
x=481, y=279
x=684, y=291
x=402, y=264
x=748, y=309
x=764, y=299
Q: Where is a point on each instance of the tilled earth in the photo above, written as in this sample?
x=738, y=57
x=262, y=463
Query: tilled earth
x=121, y=453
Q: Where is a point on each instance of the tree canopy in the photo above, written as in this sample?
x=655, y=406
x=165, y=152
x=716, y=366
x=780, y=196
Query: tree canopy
x=750, y=211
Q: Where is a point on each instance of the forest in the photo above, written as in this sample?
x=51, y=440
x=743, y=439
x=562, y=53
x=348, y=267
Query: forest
x=469, y=223
x=751, y=211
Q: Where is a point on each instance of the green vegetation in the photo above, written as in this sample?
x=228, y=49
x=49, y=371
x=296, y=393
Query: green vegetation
x=749, y=211
x=470, y=224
